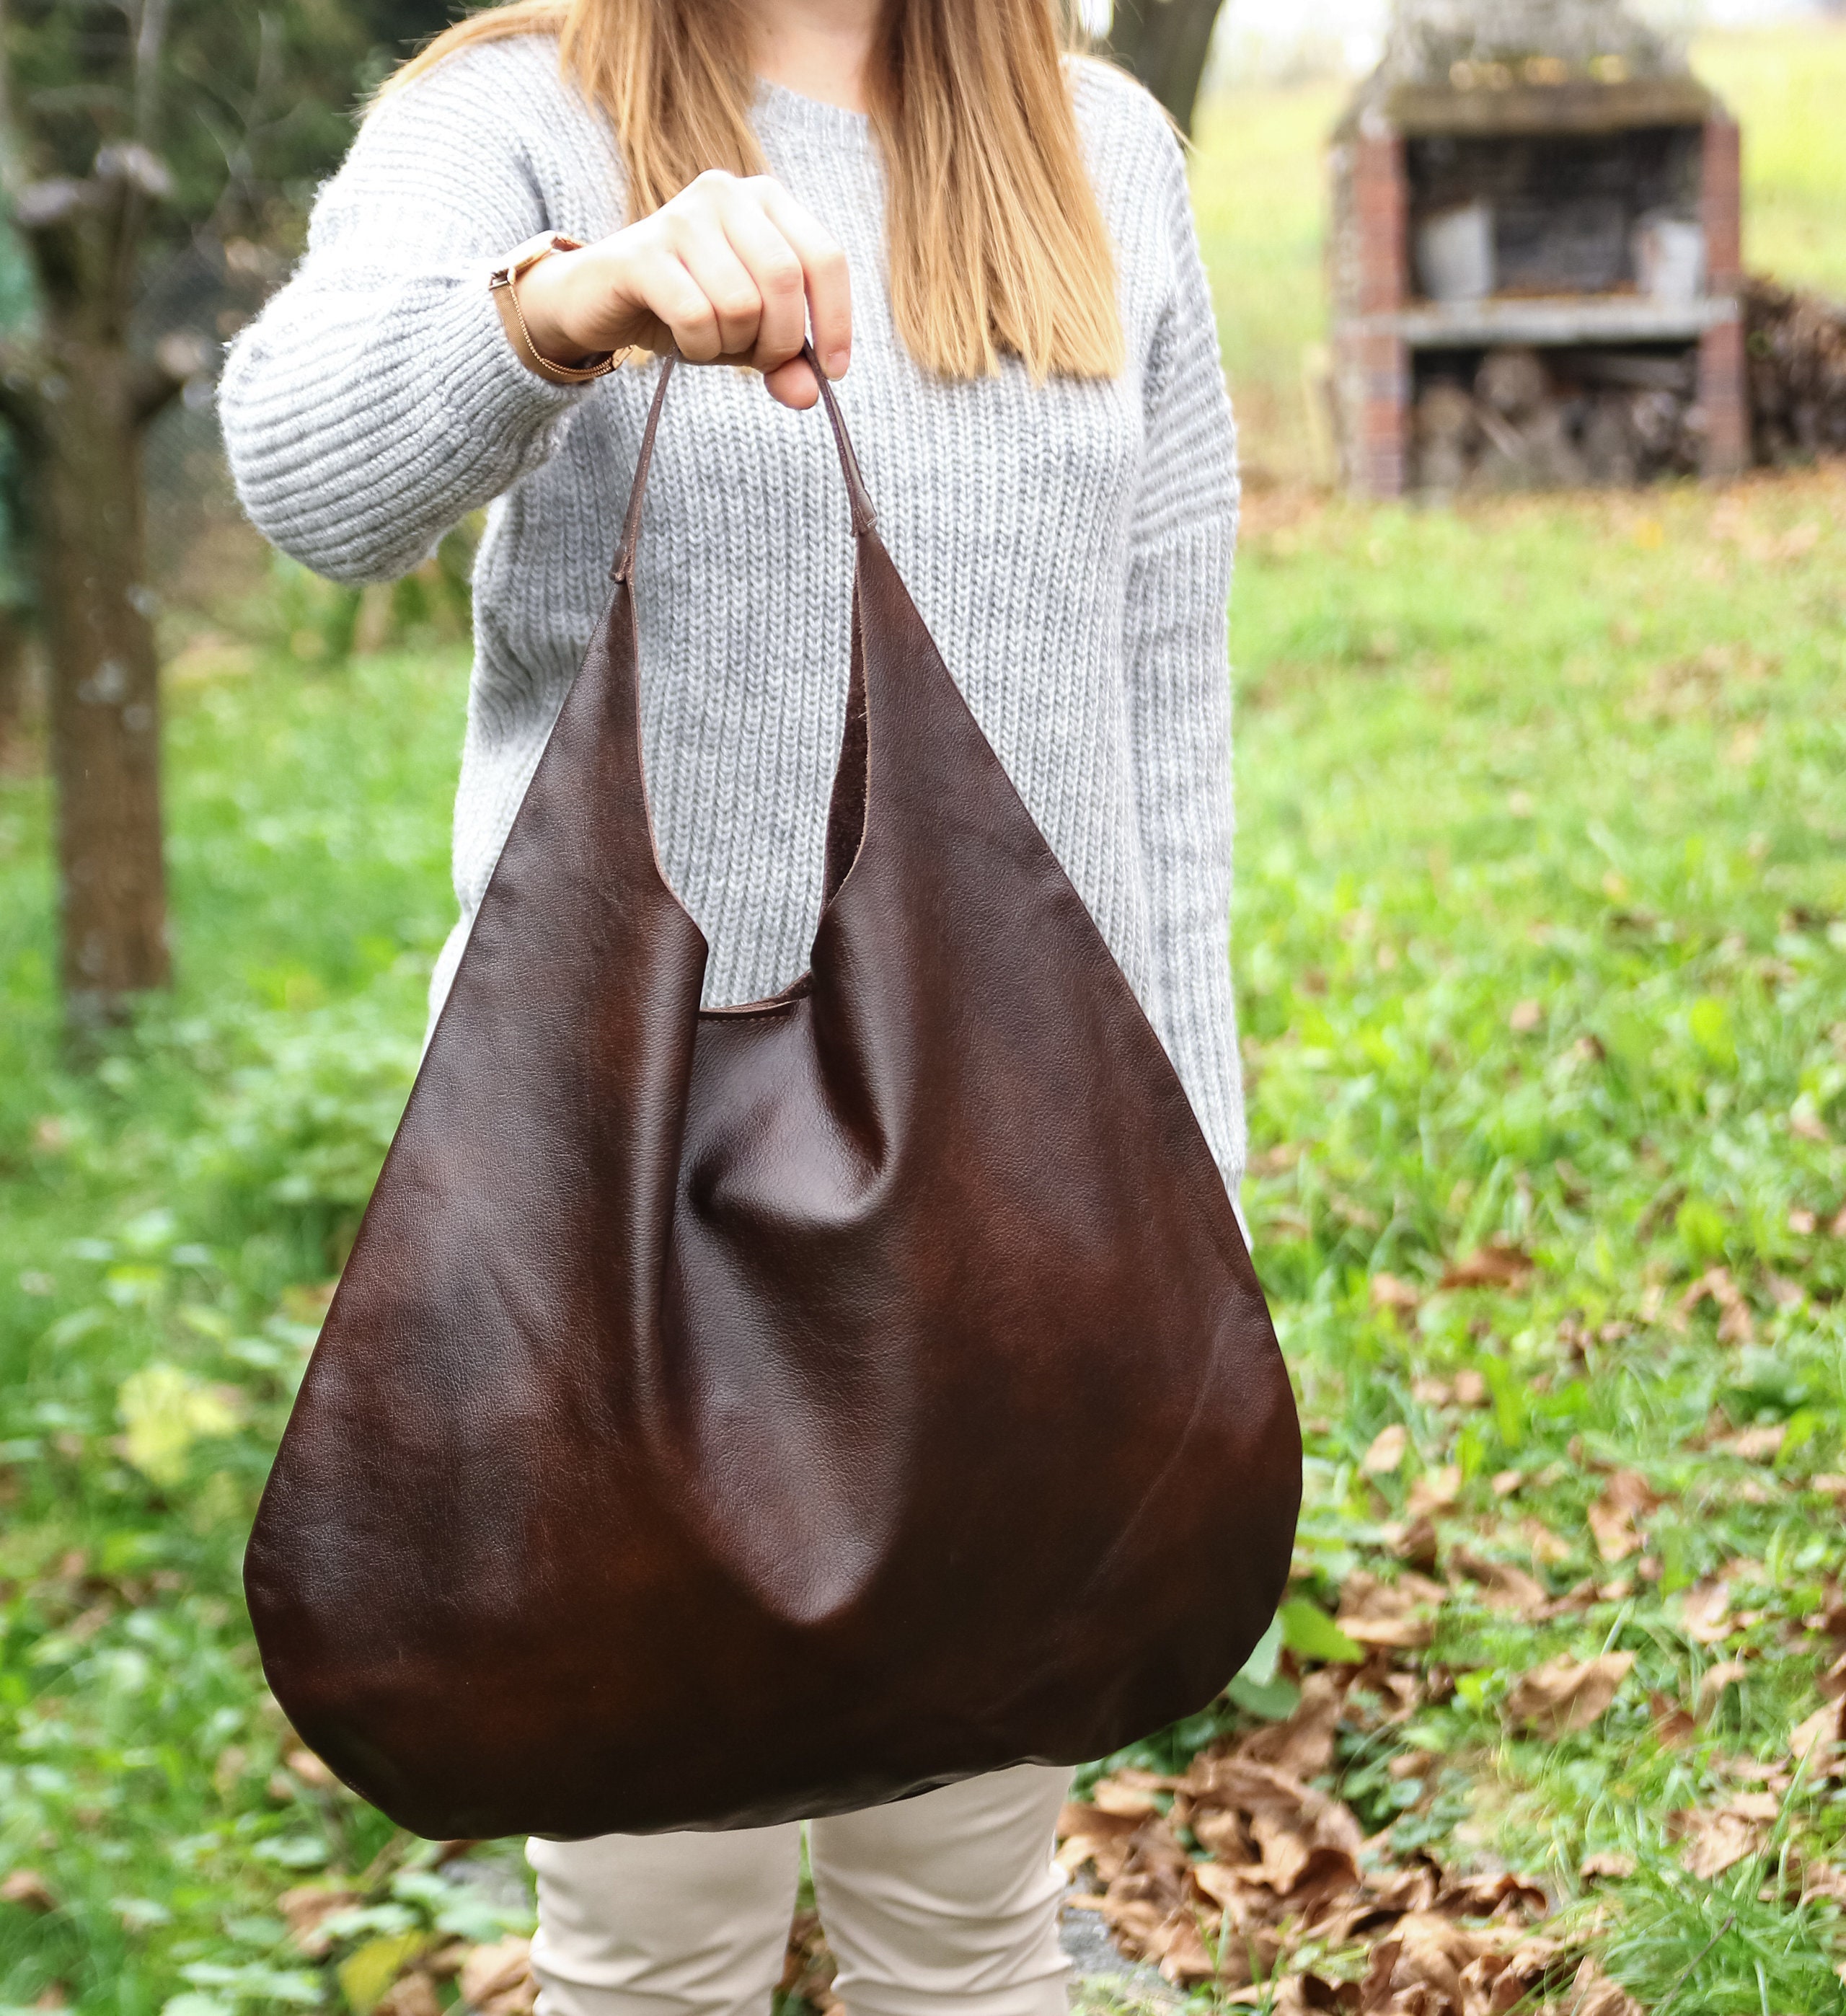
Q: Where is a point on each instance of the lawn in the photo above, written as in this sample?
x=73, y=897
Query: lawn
x=1541, y=949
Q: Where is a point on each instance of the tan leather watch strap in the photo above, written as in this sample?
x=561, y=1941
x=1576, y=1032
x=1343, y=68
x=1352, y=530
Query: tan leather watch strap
x=504, y=281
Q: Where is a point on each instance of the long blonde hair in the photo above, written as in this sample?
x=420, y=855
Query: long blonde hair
x=995, y=241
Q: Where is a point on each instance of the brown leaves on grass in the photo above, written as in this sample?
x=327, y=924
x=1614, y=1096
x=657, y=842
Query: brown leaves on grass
x=1563, y=1695
x=1399, y=1615
x=497, y=1980
x=1716, y=1837
x=1285, y=1864
x=808, y=1973
x=1500, y=1266
x=305, y=1911
x=414, y=1995
x=29, y=1890
x=1389, y=1293
x=1736, y=1325
x=1815, y=1741
x=1503, y=1586
x=1386, y=1455
x=1626, y=1497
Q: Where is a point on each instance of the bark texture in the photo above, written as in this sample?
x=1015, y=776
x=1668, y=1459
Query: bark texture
x=13, y=684
x=1165, y=43
x=104, y=682
x=80, y=401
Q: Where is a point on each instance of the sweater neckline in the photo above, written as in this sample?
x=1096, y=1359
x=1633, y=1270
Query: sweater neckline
x=787, y=113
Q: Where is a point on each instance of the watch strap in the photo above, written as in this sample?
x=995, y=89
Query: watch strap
x=504, y=281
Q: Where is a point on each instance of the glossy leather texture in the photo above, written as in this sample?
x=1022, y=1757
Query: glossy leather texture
x=727, y=1417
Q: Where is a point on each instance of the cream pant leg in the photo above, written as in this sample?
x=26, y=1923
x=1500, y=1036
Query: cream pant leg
x=944, y=1903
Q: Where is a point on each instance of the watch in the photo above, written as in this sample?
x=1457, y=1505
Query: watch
x=504, y=281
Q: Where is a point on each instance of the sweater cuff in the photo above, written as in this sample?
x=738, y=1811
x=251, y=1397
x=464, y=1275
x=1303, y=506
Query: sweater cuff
x=486, y=387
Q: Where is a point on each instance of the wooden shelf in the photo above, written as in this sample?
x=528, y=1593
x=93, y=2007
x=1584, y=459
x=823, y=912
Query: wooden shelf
x=1553, y=322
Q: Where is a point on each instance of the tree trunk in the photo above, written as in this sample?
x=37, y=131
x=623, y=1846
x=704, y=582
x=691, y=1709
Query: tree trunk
x=1165, y=43
x=103, y=679
x=13, y=683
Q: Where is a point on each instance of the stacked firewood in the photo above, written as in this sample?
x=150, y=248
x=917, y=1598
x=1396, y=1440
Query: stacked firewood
x=1528, y=420
x=1796, y=344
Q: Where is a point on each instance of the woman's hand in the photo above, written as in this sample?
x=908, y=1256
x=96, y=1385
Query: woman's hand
x=728, y=272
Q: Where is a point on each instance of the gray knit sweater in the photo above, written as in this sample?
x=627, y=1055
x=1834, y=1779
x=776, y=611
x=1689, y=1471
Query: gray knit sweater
x=1069, y=545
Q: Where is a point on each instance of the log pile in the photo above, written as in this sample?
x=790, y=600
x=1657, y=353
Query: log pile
x=1532, y=420
x=1796, y=347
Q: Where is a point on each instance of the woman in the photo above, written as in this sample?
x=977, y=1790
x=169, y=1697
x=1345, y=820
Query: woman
x=996, y=238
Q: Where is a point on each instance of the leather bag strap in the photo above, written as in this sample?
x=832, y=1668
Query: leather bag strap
x=864, y=516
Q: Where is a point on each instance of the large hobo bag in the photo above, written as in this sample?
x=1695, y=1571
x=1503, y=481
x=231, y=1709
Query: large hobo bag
x=731, y=1415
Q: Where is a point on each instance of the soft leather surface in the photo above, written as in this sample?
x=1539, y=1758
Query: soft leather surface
x=727, y=1417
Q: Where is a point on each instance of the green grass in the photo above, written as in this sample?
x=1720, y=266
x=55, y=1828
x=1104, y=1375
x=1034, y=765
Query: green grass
x=1580, y=754
x=1259, y=184
x=1542, y=939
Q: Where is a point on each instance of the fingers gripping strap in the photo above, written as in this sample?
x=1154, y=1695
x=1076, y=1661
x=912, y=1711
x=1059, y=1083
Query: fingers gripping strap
x=864, y=516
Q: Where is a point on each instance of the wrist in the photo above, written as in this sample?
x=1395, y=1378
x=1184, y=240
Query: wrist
x=532, y=318
x=548, y=298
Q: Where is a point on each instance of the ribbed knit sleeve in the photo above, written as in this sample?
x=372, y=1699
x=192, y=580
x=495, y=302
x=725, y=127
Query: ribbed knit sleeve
x=1179, y=576
x=376, y=401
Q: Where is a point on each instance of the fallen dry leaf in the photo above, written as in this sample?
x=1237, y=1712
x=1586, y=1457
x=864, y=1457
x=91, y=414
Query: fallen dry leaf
x=1395, y=1614
x=1302, y=1746
x=1592, y=1993
x=1705, y=1610
x=1815, y=1741
x=414, y=1995
x=1417, y=1541
x=309, y=1768
x=304, y=1910
x=1503, y=1586
x=1471, y=1389
x=1495, y=1266
x=1673, y=1722
x=1131, y=1795
x=1716, y=1839
x=497, y=1980
x=1389, y=1448
x=809, y=1970
x=1526, y=1017
x=1761, y=1445
x=1626, y=1496
x=1736, y=1325
x=1822, y=1880
x=1435, y=1491
x=1610, y=1865
x=1389, y=1293
x=1086, y=1834
x=29, y=1890
x=1548, y=1548
x=1566, y=1694
x=1715, y=1679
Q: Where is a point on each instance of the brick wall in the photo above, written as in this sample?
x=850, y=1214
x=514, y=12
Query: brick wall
x=1371, y=276
x=1722, y=389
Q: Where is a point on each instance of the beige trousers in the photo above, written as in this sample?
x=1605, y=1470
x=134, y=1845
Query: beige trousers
x=945, y=1901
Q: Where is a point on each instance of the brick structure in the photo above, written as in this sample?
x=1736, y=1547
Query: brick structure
x=1571, y=145
x=1723, y=383
x=1370, y=252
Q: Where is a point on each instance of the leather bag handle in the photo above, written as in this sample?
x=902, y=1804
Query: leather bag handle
x=864, y=516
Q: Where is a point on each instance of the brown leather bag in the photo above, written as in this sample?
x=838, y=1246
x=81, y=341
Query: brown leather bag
x=730, y=1415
